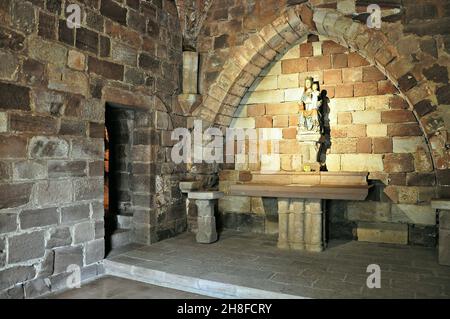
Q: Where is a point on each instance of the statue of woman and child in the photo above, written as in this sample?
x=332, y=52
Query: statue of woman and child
x=311, y=100
x=312, y=128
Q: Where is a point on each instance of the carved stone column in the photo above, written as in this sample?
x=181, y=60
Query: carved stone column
x=207, y=232
x=300, y=223
x=313, y=225
x=283, y=223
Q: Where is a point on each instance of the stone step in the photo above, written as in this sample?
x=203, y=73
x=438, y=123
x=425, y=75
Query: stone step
x=124, y=221
x=182, y=282
x=120, y=237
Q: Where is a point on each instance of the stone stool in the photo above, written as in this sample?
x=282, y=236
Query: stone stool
x=207, y=232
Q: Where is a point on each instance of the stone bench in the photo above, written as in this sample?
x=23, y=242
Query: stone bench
x=207, y=232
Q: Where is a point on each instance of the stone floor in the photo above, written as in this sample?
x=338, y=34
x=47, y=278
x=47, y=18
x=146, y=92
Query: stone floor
x=109, y=287
x=254, y=261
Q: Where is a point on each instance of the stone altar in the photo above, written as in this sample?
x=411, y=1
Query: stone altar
x=301, y=198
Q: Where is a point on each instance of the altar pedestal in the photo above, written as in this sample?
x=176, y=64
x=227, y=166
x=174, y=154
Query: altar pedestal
x=300, y=224
x=301, y=202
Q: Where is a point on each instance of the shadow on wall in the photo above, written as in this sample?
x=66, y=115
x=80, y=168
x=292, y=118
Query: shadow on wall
x=325, y=130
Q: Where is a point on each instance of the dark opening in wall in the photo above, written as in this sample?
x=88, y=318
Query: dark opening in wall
x=118, y=170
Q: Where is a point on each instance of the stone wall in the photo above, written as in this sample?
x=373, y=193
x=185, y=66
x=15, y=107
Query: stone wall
x=371, y=129
x=54, y=84
x=411, y=49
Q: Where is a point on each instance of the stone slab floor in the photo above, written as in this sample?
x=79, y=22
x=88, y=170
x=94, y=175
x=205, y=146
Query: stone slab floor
x=254, y=261
x=109, y=287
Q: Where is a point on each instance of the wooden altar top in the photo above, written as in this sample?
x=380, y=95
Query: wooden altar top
x=315, y=185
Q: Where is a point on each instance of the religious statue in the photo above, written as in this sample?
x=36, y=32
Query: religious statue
x=309, y=118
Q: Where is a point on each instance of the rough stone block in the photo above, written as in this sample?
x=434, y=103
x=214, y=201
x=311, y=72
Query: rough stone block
x=95, y=251
x=382, y=145
x=15, y=275
x=48, y=147
x=377, y=130
x=319, y=63
x=444, y=247
x=100, y=229
x=86, y=40
x=76, y=60
x=52, y=192
x=29, y=170
x=59, y=237
x=388, y=233
x=38, y=218
x=57, y=169
x=77, y=128
x=149, y=63
x=33, y=124
x=408, y=144
x=45, y=51
x=3, y=122
x=362, y=162
x=14, y=97
x=350, y=75
x=14, y=195
x=106, y=69
x=2, y=253
x=114, y=11
x=10, y=66
x=207, y=232
x=397, y=116
x=24, y=17
x=366, y=117
x=414, y=214
x=75, y=213
x=398, y=163
x=49, y=102
x=87, y=149
x=65, y=34
x=83, y=232
x=365, y=89
x=162, y=120
x=5, y=171
x=37, y=288
x=123, y=54
x=87, y=189
x=246, y=122
x=369, y=211
x=25, y=247
x=235, y=204
x=444, y=219
x=8, y=222
x=64, y=257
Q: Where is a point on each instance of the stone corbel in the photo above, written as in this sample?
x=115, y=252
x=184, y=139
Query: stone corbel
x=189, y=100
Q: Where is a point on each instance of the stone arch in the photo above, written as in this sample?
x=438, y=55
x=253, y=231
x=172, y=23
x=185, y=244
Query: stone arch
x=249, y=60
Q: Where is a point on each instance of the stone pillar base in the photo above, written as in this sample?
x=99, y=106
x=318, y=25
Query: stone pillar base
x=207, y=232
x=300, y=224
